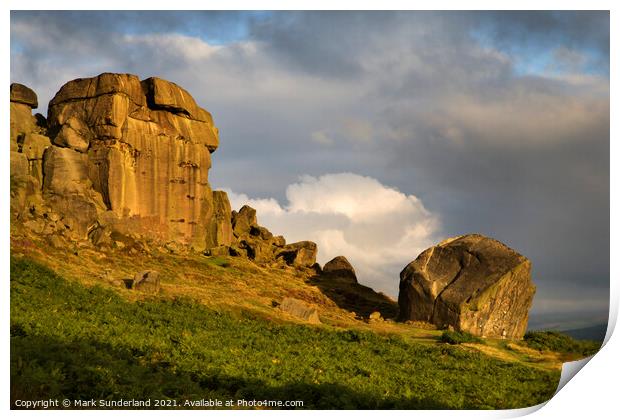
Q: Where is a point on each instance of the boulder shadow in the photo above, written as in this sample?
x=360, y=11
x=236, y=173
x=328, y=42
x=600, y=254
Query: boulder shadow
x=351, y=296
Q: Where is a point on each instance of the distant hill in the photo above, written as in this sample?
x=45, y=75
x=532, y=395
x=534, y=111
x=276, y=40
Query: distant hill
x=595, y=332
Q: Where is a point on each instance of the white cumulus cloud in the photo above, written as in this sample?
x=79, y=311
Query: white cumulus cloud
x=378, y=228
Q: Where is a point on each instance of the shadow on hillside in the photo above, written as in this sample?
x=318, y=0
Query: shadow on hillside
x=355, y=297
x=43, y=367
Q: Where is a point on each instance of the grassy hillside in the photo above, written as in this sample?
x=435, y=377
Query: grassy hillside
x=77, y=341
x=559, y=342
x=215, y=331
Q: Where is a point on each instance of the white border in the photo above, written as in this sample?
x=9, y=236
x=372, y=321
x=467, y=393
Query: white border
x=592, y=394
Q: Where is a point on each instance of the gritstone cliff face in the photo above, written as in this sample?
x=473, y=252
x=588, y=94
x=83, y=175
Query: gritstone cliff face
x=28, y=143
x=143, y=146
x=119, y=159
x=471, y=283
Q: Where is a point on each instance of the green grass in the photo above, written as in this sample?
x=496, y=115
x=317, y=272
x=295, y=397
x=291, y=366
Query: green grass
x=458, y=337
x=219, y=261
x=555, y=341
x=76, y=342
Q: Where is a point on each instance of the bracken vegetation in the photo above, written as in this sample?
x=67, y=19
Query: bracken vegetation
x=69, y=340
x=458, y=337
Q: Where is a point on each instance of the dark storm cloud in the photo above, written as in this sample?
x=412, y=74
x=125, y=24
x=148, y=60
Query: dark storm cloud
x=98, y=25
x=332, y=43
x=323, y=43
x=573, y=29
x=436, y=104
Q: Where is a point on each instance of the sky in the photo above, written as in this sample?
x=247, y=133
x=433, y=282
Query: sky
x=379, y=134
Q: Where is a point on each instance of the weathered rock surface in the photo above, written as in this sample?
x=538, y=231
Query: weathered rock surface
x=243, y=221
x=129, y=155
x=259, y=244
x=145, y=148
x=300, y=254
x=147, y=281
x=472, y=283
x=23, y=95
x=218, y=251
x=300, y=309
x=28, y=143
x=220, y=231
x=340, y=267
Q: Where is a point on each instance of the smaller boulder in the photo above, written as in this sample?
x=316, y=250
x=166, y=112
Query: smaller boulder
x=375, y=316
x=55, y=241
x=243, y=221
x=35, y=225
x=146, y=281
x=473, y=283
x=340, y=267
x=100, y=236
x=173, y=247
x=261, y=232
x=278, y=241
x=237, y=251
x=257, y=250
x=299, y=254
x=218, y=251
x=300, y=309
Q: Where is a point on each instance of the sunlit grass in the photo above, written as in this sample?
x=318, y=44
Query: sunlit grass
x=74, y=341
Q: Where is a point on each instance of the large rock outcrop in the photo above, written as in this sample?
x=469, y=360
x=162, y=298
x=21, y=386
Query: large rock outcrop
x=471, y=283
x=143, y=146
x=121, y=155
x=124, y=163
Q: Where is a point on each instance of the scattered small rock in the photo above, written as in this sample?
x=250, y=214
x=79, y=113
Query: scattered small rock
x=146, y=281
x=278, y=241
x=172, y=247
x=375, y=316
x=55, y=242
x=35, y=225
x=218, y=251
x=299, y=254
x=300, y=309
